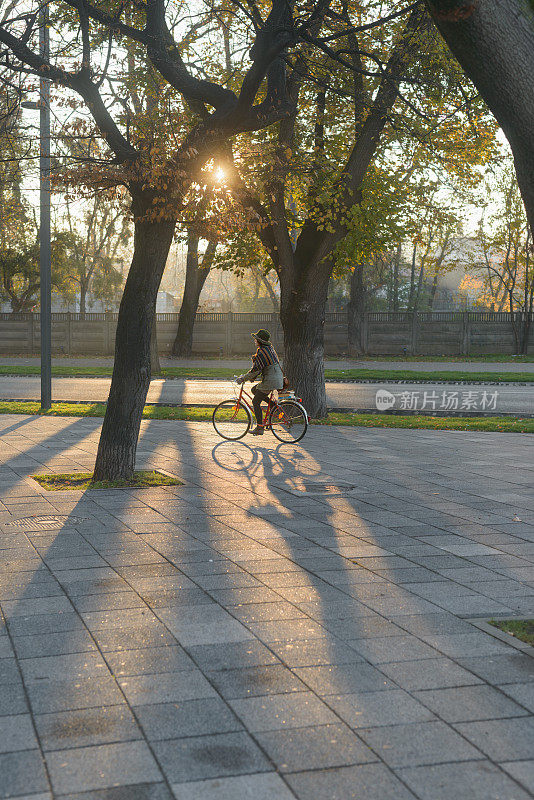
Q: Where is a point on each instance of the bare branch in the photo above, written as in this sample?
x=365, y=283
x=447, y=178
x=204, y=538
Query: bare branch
x=164, y=54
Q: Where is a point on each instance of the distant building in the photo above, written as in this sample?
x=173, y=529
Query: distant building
x=464, y=257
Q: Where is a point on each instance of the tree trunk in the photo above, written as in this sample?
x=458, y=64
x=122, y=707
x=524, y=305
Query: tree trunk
x=356, y=310
x=527, y=323
x=433, y=290
x=417, y=298
x=494, y=43
x=195, y=278
x=396, y=267
x=412, y=278
x=515, y=331
x=271, y=293
x=83, y=296
x=131, y=371
x=302, y=314
x=155, y=366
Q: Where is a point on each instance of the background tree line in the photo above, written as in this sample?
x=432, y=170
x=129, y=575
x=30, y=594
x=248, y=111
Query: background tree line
x=332, y=126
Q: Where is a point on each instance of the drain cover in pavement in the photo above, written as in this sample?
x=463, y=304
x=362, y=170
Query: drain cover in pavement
x=43, y=522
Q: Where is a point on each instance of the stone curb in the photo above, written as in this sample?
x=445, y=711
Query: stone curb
x=502, y=636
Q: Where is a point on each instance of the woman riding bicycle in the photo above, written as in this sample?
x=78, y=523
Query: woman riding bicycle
x=265, y=362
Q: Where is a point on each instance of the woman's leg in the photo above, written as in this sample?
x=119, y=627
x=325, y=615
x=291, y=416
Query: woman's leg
x=259, y=398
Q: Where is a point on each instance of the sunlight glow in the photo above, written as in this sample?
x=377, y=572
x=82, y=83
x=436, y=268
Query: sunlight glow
x=219, y=174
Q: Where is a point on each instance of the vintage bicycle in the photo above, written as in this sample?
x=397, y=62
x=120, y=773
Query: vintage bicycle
x=285, y=416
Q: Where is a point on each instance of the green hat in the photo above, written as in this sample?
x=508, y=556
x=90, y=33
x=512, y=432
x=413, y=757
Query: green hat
x=262, y=336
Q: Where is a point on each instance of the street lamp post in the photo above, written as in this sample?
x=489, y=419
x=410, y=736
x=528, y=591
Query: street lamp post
x=45, y=255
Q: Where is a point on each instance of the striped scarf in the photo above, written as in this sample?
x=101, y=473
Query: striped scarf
x=264, y=355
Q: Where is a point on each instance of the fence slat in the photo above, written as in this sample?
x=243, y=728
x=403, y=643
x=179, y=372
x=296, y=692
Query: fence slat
x=383, y=332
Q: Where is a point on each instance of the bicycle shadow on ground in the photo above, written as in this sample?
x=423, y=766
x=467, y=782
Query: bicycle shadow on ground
x=320, y=580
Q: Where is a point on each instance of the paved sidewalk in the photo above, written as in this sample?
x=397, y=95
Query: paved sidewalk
x=251, y=635
x=241, y=363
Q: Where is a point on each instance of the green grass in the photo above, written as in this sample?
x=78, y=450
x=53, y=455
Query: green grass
x=434, y=375
x=142, y=479
x=522, y=629
x=105, y=372
x=203, y=414
x=330, y=374
x=493, y=424
x=491, y=358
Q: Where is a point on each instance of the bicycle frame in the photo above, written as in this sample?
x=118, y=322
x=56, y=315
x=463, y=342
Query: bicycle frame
x=278, y=412
x=271, y=403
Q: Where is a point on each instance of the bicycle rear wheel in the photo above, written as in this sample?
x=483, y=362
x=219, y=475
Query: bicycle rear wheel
x=288, y=421
x=231, y=419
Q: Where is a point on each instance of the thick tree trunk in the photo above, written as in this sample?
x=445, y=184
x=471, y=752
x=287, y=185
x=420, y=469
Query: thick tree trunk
x=131, y=371
x=195, y=278
x=302, y=314
x=355, y=311
x=494, y=43
x=155, y=366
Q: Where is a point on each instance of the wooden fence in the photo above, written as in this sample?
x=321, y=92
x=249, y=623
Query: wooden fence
x=218, y=334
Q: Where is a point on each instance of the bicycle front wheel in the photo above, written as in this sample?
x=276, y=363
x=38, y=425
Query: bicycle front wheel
x=288, y=421
x=231, y=419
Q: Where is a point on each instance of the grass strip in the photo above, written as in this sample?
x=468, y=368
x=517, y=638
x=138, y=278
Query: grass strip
x=105, y=372
x=203, y=414
x=490, y=358
x=522, y=629
x=330, y=374
x=435, y=376
x=493, y=424
x=142, y=479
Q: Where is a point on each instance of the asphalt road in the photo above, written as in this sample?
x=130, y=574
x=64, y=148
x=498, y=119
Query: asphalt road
x=425, y=397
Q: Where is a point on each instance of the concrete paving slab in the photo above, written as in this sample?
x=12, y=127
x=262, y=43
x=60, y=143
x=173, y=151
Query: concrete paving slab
x=16, y=733
x=138, y=791
x=103, y=766
x=202, y=757
x=246, y=787
x=256, y=681
x=237, y=638
x=418, y=743
x=92, y=726
x=22, y=772
x=166, y=687
x=522, y=772
x=470, y=703
x=47, y=696
x=232, y=655
x=188, y=718
x=317, y=747
x=391, y=707
x=514, y=667
x=372, y=781
x=474, y=780
x=282, y=711
x=522, y=693
x=12, y=700
x=501, y=739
